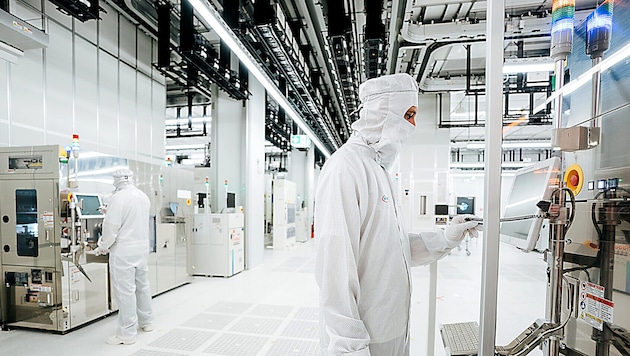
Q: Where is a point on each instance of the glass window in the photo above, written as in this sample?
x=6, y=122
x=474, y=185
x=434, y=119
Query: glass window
x=26, y=222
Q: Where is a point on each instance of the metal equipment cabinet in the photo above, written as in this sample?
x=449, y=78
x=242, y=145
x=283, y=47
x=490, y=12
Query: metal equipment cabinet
x=218, y=244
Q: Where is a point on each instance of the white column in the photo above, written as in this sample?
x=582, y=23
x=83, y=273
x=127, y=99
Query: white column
x=255, y=175
x=311, y=185
x=297, y=174
x=227, y=150
x=492, y=213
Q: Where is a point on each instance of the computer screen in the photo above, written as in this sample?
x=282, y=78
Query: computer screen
x=531, y=185
x=88, y=205
x=465, y=205
x=231, y=200
x=441, y=209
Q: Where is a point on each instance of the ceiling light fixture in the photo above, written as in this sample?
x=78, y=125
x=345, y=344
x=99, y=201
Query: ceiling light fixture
x=213, y=19
x=512, y=144
x=482, y=165
x=528, y=66
x=186, y=147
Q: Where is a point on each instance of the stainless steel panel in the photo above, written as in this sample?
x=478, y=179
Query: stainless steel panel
x=32, y=297
x=30, y=244
x=166, y=241
x=85, y=300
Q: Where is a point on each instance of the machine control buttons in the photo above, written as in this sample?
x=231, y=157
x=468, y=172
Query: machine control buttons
x=5, y=219
x=7, y=248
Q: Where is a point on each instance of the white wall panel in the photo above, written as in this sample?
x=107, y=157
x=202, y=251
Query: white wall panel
x=86, y=94
x=143, y=116
x=4, y=104
x=145, y=52
x=4, y=92
x=108, y=29
x=26, y=135
x=127, y=112
x=127, y=41
x=87, y=30
x=108, y=103
x=158, y=132
x=27, y=91
x=56, y=16
x=4, y=133
x=59, y=83
x=59, y=138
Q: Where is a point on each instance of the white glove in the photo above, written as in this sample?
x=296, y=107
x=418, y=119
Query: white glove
x=459, y=227
x=103, y=209
x=100, y=251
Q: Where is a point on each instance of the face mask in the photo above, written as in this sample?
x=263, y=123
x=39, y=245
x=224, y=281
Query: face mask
x=395, y=132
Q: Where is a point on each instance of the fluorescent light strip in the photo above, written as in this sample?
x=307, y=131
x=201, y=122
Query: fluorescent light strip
x=185, y=147
x=573, y=85
x=213, y=19
x=482, y=165
x=512, y=145
x=527, y=67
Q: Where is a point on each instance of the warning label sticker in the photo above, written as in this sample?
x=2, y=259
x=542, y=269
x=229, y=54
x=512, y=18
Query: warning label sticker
x=594, y=310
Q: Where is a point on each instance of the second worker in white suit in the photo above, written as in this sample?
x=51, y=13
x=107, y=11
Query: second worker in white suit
x=363, y=249
x=126, y=238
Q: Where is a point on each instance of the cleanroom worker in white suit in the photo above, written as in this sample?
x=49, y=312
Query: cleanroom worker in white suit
x=126, y=238
x=363, y=250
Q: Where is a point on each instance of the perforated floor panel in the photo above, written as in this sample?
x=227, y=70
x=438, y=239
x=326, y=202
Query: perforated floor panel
x=242, y=329
x=237, y=345
x=210, y=321
x=305, y=313
x=273, y=311
x=182, y=339
x=302, y=329
x=260, y=326
x=286, y=347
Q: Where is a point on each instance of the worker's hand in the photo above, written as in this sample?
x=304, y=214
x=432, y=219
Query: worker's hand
x=100, y=251
x=459, y=227
x=103, y=209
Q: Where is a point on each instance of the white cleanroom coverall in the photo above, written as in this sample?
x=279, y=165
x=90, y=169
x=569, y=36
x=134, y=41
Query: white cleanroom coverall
x=363, y=250
x=126, y=237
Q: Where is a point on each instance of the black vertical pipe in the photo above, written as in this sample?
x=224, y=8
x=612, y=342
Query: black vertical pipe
x=468, y=68
x=230, y=13
x=282, y=85
x=263, y=12
x=606, y=267
x=186, y=29
x=374, y=27
x=164, y=34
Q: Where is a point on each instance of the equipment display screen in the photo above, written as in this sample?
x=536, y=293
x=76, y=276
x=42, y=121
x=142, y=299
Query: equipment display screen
x=531, y=185
x=90, y=205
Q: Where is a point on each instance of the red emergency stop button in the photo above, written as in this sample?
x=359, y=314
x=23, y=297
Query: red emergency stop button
x=574, y=177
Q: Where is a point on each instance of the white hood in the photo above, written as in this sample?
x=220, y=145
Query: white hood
x=381, y=122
